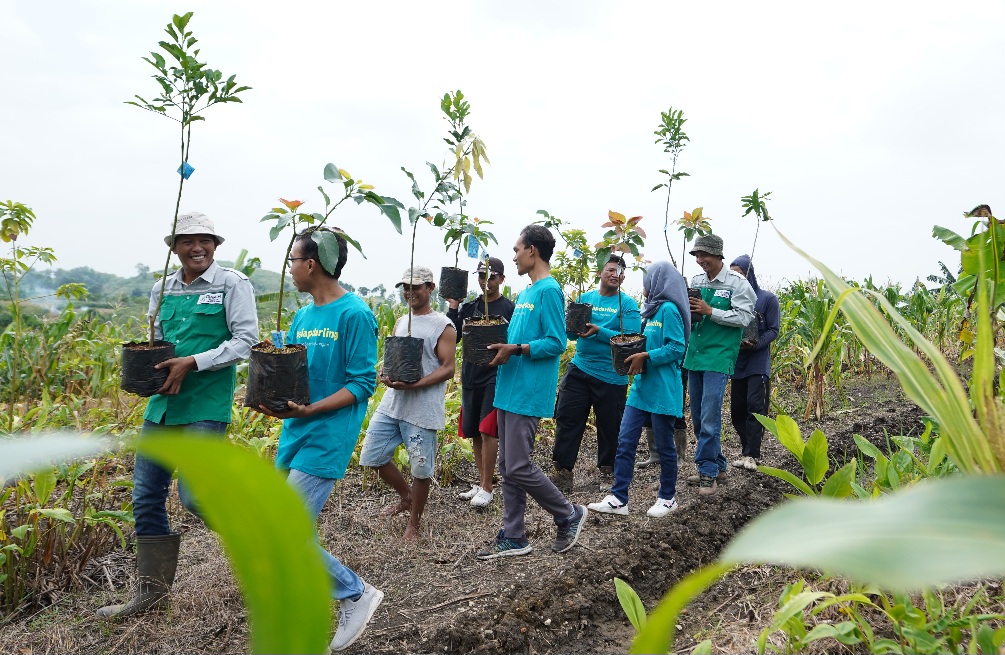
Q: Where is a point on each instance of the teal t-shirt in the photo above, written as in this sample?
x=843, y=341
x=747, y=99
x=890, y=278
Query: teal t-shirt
x=528, y=384
x=658, y=389
x=593, y=354
x=341, y=340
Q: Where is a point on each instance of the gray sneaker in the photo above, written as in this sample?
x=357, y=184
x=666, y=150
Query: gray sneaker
x=568, y=534
x=353, y=615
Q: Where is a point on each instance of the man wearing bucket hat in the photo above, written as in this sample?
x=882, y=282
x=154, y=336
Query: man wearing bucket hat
x=411, y=413
x=209, y=313
x=478, y=383
x=725, y=306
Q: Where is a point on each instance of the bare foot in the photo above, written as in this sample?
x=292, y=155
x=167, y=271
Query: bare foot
x=403, y=505
x=411, y=533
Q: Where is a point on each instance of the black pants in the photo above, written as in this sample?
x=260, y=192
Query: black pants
x=748, y=396
x=577, y=393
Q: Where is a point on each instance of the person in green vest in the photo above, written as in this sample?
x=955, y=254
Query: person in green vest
x=725, y=306
x=209, y=314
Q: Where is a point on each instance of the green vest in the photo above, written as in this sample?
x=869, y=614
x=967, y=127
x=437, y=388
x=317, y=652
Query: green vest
x=195, y=327
x=713, y=347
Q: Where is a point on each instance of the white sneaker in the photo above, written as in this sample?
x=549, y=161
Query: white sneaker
x=750, y=463
x=354, y=615
x=609, y=505
x=662, y=507
x=482, y=498
x=470, y=493
x=738, y=463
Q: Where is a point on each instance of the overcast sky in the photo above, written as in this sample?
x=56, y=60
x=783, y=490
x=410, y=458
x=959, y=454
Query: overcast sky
x=868, y=121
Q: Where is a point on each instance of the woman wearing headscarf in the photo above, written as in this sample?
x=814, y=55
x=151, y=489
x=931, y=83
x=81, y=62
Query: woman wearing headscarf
x=749, y=389
x=657, y=394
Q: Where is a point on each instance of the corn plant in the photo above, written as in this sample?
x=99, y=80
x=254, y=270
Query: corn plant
x=187, y=88
x=670, y=134
x=54, y=523
x=918, y=537
x=812, y=456
x=16, y=219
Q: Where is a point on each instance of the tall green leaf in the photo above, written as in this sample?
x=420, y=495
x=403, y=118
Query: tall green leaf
x=19, y=456
x=815, y=462
x=630, y=603
x=658, y=632
x=929, y=534
x=939, y=391
x=268, y=534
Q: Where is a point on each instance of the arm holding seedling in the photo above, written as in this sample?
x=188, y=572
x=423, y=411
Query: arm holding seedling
x=742, y=301
x=446, y=352
x=242, y=322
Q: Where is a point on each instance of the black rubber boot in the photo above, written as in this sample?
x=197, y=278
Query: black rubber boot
x=680, y=443
x=156, y=562
x=654, y=456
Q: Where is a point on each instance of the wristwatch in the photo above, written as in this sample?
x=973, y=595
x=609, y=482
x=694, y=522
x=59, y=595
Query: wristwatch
x=519, y=350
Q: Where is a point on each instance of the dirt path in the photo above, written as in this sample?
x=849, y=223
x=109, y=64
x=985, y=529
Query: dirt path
x=439, y=598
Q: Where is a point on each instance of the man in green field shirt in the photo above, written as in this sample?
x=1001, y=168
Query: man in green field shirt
x=525, y=393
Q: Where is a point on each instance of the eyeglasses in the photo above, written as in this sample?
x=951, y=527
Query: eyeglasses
x=290, y=260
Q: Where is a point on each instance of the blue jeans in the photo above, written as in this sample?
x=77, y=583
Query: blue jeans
x=315, y=492
x=628, y=443
x=707, y=390
x=151, y=481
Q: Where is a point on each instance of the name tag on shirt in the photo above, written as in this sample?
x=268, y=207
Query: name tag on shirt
x=211, y=299
x=723, y=293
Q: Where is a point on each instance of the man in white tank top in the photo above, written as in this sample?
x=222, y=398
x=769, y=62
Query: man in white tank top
x=412, y=413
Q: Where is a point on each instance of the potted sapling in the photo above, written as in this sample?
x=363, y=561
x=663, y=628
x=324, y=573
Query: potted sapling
x=670, y=134
x=468, y=152
x=754, y=204
x=187, y=88
x=624, y=237
x=572, y=268
x=277, y=371
x=480, y=332
x=402, y=360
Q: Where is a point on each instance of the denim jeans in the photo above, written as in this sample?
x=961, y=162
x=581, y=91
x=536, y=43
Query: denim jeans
x=707, y=390
x=628, y=442
x=151, y=481
x=315, y=492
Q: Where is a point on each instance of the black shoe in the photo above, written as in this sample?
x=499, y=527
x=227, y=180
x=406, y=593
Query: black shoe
x=568, y=534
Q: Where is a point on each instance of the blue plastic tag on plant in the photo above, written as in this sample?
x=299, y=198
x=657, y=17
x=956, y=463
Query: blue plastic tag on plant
x=185, y=170
x=577, y=253
x=473, y=248
x=278, y=339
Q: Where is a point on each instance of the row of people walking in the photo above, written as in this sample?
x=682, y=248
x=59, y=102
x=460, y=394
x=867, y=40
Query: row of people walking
x=213, y=325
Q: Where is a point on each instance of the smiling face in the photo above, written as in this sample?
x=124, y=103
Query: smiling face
x=490, y=285
x=195, y=251
x=417, y=295
x=611, y=277
x=711, y=264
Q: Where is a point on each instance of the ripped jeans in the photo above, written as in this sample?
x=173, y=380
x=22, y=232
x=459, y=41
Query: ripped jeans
x=385, y=434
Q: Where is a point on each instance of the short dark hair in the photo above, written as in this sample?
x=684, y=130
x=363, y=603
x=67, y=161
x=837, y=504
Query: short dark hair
x=541, y=238
x=617, y=259
x=973, y=212
x=309, y=248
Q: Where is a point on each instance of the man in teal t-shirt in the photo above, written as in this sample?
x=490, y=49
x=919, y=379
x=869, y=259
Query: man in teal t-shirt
x=590, y=380
x=525, y=393
x=318, y=439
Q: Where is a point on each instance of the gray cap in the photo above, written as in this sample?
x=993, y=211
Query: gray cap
x=709, y=243
x=419, y=275
x=193, y=223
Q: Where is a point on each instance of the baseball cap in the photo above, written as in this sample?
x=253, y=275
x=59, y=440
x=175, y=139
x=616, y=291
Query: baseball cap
x=495, y=266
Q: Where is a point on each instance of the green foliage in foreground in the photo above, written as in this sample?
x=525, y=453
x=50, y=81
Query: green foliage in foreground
x=266, y=530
